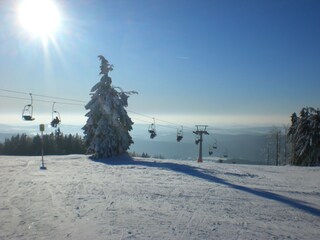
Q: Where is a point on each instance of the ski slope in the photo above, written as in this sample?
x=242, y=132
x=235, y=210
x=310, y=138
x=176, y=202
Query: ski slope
x=77, y=198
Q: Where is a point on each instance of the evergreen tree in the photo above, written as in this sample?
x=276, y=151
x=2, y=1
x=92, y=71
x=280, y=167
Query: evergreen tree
x=304, y=134
x=21, y=144
x=108, y=124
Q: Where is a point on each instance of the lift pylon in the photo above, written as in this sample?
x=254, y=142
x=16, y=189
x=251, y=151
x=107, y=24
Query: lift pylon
x=201, y=129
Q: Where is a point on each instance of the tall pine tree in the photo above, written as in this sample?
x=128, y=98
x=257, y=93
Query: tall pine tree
x=108, y=124
x=304, y=134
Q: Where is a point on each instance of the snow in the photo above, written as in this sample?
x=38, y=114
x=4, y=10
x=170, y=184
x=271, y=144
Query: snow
x=123, y=198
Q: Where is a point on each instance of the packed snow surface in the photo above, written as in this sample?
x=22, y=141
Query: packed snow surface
x=124, y=198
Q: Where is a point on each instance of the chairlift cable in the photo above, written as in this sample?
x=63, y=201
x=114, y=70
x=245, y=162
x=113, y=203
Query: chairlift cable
x=44, y=96
x=40, y=100
x=78, y=102
x=161, y=120
x=139, y=119
x=20, y=98
x=66, y=99
x=67, y=103
x=6, y=90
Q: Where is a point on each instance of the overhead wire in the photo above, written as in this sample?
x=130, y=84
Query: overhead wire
x=20, y=98
x=71, y=101
x=45, y=96
x=66, y=99
x=159, y=120
x=41, y=100
x=12, y=91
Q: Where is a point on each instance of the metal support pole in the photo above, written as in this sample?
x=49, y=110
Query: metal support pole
x=42, y=167
x=200, y=149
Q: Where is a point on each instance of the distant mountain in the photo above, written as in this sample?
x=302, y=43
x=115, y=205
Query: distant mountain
x=243, y=144
x=246, y=147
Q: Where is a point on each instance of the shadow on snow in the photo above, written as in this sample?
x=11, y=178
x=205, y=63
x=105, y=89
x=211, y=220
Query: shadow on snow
x=196, y=172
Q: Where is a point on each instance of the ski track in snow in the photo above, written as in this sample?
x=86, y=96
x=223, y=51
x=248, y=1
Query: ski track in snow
x=77, y=198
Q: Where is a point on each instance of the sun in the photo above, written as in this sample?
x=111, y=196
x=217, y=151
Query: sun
x=41, y=18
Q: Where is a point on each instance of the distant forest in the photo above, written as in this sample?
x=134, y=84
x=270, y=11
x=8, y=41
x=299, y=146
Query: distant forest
x=54, y=144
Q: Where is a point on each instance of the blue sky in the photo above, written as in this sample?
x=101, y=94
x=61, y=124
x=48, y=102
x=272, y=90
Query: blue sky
x=250, y=62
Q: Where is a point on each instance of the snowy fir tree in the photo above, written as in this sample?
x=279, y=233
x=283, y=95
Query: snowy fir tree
x=108, y=124
x=304, y=135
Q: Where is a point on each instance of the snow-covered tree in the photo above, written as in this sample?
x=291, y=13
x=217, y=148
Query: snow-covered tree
x=108, y=124
x=304, y=134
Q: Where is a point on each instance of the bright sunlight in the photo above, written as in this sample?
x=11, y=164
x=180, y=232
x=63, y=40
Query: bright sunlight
x=40, y=18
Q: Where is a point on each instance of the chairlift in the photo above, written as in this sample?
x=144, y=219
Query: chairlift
x=55, y=117
x=152, y=130
x=179, y=134
x=225, y=154
x=215, y=145
x=197, y=140
x=27, y=111
x=212, y=147
x=210, y=151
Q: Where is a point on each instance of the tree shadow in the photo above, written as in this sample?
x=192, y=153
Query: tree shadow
x=197, y=173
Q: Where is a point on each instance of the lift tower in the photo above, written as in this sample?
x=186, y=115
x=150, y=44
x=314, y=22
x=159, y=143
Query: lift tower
x=201, y=129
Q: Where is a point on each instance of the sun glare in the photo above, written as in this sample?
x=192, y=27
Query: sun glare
x=40, y=18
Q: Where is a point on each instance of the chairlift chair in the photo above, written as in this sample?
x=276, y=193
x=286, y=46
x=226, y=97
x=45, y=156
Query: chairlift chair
x=212, y=147
x=225, y=154
x=215, y=145
x=210, y=152
x=197, y=139
x=152, y=130
x=55, y=117
x=27, y=111
x=179, y=134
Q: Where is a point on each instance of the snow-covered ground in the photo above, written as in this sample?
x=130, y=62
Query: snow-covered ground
x=77, y=198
